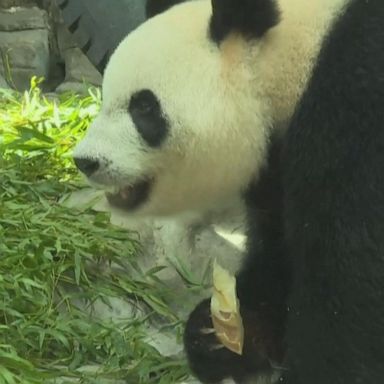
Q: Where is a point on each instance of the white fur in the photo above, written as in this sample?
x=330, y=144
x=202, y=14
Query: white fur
x=220, y=103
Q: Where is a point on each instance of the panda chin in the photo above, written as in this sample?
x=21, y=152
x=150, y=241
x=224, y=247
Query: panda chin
x=131, y=196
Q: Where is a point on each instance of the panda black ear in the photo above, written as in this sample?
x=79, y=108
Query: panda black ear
x=154, y=7
x=251, y=18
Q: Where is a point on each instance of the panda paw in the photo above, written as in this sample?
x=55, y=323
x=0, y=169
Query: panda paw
x=209, y=360
x=212, y=362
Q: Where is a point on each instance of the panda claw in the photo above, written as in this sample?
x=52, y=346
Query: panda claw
x=207, y=331
x=216, y=347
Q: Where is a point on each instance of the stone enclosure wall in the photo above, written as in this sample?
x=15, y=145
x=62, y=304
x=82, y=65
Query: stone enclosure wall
x=34, y=42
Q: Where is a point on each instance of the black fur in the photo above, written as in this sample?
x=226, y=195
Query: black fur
x=154, y=7
x=319, y=237
x=146, y=113
x=334, y=208
x=251, y=18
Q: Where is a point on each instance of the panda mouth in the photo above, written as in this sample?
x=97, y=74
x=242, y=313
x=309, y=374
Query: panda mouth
x=130, y=196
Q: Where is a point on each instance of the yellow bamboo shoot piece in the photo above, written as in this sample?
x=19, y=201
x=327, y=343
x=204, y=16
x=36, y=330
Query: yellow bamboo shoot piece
x=225, y=310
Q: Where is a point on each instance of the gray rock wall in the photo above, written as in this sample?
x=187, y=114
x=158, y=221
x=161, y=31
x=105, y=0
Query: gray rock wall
x=34, y=42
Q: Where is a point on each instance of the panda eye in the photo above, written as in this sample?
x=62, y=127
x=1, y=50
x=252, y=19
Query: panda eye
x=143, y=106
x=143, y=103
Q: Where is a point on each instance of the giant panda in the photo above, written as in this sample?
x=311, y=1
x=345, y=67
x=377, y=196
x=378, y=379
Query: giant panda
x=281, y=102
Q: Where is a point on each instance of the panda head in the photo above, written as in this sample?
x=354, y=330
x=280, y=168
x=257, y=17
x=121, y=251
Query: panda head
x=184, y=120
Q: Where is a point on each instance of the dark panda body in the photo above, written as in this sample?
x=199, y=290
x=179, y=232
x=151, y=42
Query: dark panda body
x=220, y=79
x=315, y=266
x=334, y=208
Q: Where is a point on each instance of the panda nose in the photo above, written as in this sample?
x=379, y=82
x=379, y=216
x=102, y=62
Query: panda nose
x=87, y=165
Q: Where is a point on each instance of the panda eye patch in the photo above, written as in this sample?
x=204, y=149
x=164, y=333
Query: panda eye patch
x=146, y=114
x=143, y=102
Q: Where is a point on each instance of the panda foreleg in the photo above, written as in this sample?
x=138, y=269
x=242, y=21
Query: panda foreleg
x=263, y=282
x=262, y=286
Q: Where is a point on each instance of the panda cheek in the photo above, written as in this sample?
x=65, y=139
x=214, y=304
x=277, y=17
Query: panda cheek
x=153, y=129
